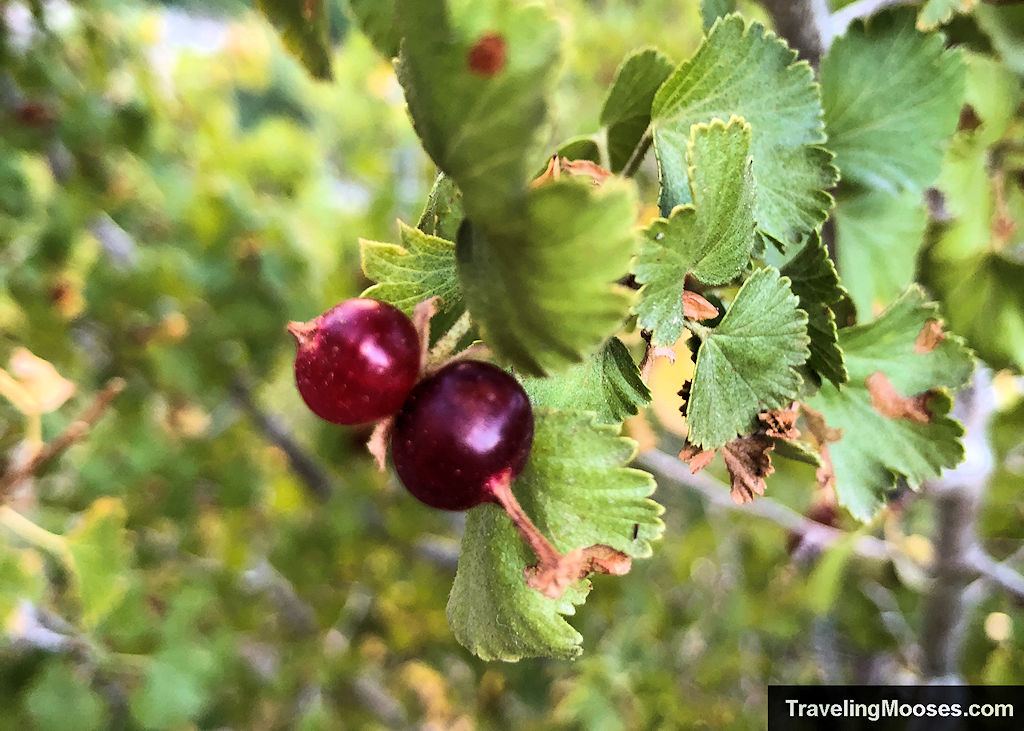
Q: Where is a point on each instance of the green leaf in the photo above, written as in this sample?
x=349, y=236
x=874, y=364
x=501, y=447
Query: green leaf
x=443, y=213
x=711, y=238
x=376, y=18
x=627, y=108
x=1004, y=25
x=102, y=558
x=482, y=130
x=60, y=699
x=542, y=288
x=577, y=491
x=305, y=30
x=748, y=72
x=874, y=449
x=939, y=12
x=814, y=280
x=891, y=96
x=422, y=266
x=748, y=363
x=607, y=383
x=712, y=10
x=877, y=238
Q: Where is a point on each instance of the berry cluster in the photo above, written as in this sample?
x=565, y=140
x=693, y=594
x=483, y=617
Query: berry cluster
x=455, y=431
x=460, y=433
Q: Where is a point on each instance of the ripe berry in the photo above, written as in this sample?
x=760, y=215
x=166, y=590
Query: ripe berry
x=357, y=362
x=461, y=428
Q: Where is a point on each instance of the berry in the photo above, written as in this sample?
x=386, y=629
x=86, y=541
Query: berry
x=357, y=362
x=461, y=429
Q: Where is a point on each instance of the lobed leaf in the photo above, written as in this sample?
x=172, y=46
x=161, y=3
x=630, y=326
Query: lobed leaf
x=542, y=288
x=710, y=238
x=748, y=363
x=874, y=449
x=607, y=383
x=627, y=108
x=747, y=72
x=815, y=282
x=891, y=95
x=578, y=492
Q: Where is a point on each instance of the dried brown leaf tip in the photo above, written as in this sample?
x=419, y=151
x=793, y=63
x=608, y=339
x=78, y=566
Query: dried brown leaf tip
x=823, y=434
x=552, y=578
x=749, y=462
x=487, y=56
x=929, y=338
x=781, y=423
x=888, y=402
x=697, y=458
x=696, y=307
x=559, y=165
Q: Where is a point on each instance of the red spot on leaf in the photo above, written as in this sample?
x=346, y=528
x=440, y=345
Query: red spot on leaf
x=487, y=56
x=929, y=337
x=888, y=402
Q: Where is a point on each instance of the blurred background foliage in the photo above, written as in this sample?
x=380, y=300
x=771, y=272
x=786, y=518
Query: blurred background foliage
x=174, y=188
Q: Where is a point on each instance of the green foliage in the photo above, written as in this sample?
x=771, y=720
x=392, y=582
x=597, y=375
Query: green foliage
x=305, y=29
x=541, y=289
x=578, y=491
x=874, y=449
x=710, y=238
x=742, y=70
x=938, y=12
x=891, y=96
x=57, y=696
x=712, y=10
x=627, y=107
x=101, y=559
x=376, y=18
x=814, y=281
x=607, y=383
x=748, y=362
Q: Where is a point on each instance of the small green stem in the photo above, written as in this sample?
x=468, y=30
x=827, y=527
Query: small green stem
x=639, y=152
x=38, y=537
x=697, y=329
x=446, y=344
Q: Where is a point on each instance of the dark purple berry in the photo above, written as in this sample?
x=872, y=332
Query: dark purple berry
x=462, y=428
x=357, y=362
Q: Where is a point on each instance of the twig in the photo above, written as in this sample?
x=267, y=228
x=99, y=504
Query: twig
x=805, y=24
x=638, y=154
x=717, y=493
x=312, y=474
x=74, y=432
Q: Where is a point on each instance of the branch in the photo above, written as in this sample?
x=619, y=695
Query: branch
x=805, y=24
x=74, y=432
x=309, y=470
x=811, y=532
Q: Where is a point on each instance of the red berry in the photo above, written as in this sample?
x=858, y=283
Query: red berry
x=356, y=362
x=461, y=428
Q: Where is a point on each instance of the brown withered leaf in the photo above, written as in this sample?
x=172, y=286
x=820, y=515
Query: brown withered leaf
x=696, y=307
x=823, y=434
x=552, y=579
x=930, y=336
x=697, y=459
x=781, y=423
x=558, y=165
x=887, y=401
x=749, y=462
x=552, y=172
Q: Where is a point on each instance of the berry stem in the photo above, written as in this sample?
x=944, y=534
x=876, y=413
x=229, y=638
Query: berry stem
x=501, y=488
x=302, y=331
x=447, y=343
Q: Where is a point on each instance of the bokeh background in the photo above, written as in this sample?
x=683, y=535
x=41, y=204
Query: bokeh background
x=174, y=188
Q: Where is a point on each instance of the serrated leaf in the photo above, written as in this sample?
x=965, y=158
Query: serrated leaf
x=877, y=238
x=480, y=127
x=542, y=288
x=101, y=558
x=939, y=12
x=443, y=213
x=750, y=73
x=814, y=280
x=376, y=18
x=607, y=383
x=891, y=96
x=712, y=10
x=305, y=30
x=578, y=492
x=748, y=363
x=711, y=238
x=873, y=449
x=422, y=266
x=627, y=108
